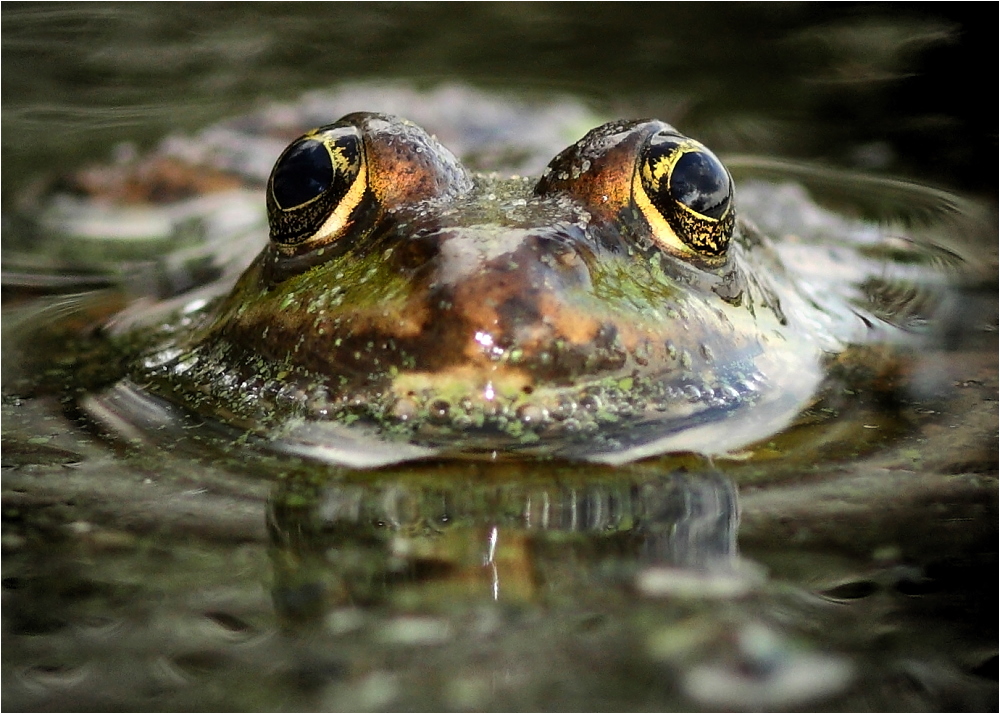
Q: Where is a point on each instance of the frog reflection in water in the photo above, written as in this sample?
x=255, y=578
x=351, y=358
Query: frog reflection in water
x=613, y=309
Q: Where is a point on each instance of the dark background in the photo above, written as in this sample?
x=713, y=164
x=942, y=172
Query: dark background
x=876, y=86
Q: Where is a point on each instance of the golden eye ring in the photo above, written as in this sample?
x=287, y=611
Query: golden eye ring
x=315, y=186
x=686, y=195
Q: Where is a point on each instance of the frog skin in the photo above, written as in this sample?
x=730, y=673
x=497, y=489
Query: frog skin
x=404, y=308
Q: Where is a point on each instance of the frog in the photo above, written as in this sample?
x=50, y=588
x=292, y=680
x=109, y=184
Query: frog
x=405, y=307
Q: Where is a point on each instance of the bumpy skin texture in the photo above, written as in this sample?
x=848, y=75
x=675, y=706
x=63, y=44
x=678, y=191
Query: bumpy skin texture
x=471, y=313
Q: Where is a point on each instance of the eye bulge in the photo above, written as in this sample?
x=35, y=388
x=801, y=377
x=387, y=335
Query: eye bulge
x=699, y=182
x=315, y=185
x=681, y=170
x=684, y=191
x=689, y=194
x=323, y=159
x=303, y=173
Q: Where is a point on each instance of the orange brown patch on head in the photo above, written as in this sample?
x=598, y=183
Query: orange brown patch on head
x=597, y=170
x=405, y=164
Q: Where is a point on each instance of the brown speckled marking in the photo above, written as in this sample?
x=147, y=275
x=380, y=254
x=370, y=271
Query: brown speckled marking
x=461, y=287
x=478, y=311
x=597, y=170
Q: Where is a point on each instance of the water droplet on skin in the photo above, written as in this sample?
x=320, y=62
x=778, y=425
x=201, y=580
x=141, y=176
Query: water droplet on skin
x=438, y=411
x=293, y=394
x=563, y=410
x=727, y=393
x=531, y=414
x=161, y=358
x=187, y=364
x=404, y=409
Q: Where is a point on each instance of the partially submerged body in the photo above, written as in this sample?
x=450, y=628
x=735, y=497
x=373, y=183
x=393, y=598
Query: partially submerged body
x=405, y=307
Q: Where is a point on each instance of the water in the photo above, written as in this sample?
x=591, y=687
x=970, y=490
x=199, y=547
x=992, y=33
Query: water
x=848, y=565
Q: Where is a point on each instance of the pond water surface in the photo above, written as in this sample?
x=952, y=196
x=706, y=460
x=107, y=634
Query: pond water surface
x=848, y=563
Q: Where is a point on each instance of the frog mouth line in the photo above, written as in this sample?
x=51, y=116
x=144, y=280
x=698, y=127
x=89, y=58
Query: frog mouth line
x=437, y=404
x=594, y=423
x=465, y=407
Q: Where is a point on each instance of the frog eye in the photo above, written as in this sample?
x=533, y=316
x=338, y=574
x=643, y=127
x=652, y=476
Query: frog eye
x=686, y=195
x=315, y=186
x=304, y=173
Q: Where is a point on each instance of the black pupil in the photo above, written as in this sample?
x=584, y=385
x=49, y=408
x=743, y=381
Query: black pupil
x=304, y=172
x=701, y=183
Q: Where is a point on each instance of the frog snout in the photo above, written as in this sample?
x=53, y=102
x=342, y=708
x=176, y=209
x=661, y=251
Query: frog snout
x=519, y=293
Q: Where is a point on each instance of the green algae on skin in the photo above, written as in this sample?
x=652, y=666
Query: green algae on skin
x=405, y=308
